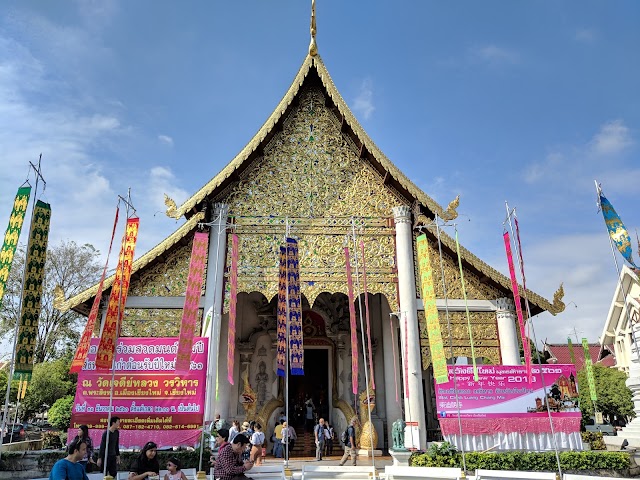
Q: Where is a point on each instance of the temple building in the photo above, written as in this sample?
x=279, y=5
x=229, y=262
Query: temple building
x=312, y=173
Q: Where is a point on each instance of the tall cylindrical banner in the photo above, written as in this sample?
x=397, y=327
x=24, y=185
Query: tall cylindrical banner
x=12, y=235
x=436, y=346
x=233, y=300
x=32, y=289
x=118, y=296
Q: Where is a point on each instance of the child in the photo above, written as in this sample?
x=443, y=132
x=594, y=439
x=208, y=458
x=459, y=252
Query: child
x=174, y=472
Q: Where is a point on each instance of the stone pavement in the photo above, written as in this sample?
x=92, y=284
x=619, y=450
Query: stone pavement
x=295, y=464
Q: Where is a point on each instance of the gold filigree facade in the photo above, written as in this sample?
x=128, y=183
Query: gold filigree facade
x=166, y=278
x=154, y=322
x=475, y=288
x=485, y=336
x=312, y=181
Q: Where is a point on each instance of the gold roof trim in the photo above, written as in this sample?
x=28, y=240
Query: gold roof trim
x=138, y=264
x=201, y=194
x=333, y=92
x=351, y=120
x=553, y=308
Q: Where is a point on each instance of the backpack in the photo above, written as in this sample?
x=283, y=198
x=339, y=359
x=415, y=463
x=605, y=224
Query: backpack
x=344, y=438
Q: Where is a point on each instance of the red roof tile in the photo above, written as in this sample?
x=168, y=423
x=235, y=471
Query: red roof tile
x=561, y=353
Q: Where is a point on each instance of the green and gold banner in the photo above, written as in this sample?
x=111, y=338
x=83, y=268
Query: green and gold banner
x=32, y=289
x=438, y=358
x=589, y=367
x=12, y=235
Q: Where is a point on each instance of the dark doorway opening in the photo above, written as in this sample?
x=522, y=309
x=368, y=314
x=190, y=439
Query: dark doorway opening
x=313, y=385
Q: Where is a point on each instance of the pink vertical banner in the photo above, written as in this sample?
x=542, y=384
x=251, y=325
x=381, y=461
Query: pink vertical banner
x=516, y=298
x=352, y=322
x=192, y=300
x=366, y=308
x=233, y=299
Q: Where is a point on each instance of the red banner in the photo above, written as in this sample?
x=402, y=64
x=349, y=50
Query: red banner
x=192, y=300
x=118, y=297
x=516, y=297
x=85, y=340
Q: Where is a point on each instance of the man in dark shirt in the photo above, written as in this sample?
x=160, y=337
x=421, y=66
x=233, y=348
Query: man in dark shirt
x=229, y=463
x=113, y=452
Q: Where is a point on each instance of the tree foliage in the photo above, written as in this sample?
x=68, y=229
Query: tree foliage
x=60, y=412
x=74, y=267
x=614, y=398
x=50, y=382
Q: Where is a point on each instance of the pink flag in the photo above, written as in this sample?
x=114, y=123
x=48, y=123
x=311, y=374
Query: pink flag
x=352, y=321
x=233, y=299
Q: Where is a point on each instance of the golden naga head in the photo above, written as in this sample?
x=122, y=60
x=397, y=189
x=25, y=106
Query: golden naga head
x=172, y=208
x=450, y=213
x=368, y=399
x=558, y=305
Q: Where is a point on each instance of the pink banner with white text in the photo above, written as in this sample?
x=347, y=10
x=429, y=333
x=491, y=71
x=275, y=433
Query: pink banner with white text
x=503, y=401
x=152, y=402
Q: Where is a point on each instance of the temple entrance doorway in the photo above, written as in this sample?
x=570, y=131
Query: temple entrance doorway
x=309, y=393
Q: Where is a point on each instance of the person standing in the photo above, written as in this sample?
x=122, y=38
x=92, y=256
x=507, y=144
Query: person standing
x=329, y=434
x=69, y=468
x=257, y=440
x=318, y=433
x=112, y=451
x=277, y=448
x=350, y=446
x=234, y=430
x=83, y=433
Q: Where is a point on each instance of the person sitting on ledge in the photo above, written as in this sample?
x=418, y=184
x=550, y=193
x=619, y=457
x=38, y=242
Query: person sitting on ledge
x=229, y=464
x=146, y=465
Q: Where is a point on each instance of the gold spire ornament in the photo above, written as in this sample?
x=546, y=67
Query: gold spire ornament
x=313, y=48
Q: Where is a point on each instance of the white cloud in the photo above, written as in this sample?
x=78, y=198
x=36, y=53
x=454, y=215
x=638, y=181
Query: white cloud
x=162, y=180
x=363, y=103
x=167, y=140
x=494, y=55
x=613, y=138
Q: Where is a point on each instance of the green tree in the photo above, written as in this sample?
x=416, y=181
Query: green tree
x=614, y=398
x=60, y=413
x=74, y=267
x=50, y=382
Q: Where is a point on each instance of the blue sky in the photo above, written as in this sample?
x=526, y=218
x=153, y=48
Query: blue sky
x=525, y=102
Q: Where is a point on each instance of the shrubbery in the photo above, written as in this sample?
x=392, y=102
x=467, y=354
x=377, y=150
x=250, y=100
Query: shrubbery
x=446, y=455
x=60, y=412
x=594, y=439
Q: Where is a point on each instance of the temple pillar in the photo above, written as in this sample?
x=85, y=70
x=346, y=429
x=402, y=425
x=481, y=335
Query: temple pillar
x=393, y=407
x=214, y=297
x=414, y=405
x=507, y=332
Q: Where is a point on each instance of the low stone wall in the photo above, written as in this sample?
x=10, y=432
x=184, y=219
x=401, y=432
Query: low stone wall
x=24, y=466
x=22, y=446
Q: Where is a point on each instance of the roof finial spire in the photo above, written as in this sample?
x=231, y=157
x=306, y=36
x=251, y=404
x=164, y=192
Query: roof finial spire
x=313, y=48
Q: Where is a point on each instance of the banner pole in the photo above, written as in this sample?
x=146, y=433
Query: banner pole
x=364, y=345
x=15, y=330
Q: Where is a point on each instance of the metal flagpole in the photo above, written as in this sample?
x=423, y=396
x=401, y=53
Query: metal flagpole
x=515, y=239
x=212, y=340
x=364, y=346
x=12, y=368
x=129, y=208
x=446, y=309
x=615, y=261
x=287, y=363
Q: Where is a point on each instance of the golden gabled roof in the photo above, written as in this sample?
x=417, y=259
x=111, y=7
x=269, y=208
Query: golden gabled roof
x=411, y=189
x=267, y=127
x=138, y=264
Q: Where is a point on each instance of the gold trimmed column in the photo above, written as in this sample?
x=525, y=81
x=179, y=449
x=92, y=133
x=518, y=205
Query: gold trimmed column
x=414, y=405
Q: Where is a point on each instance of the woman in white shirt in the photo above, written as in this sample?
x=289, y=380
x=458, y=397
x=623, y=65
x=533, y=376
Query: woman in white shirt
x=257, y=440
x=234, y=430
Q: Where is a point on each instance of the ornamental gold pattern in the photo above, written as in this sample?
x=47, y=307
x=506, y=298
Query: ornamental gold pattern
x=154, y=322
x=311, y=179
x=485, y=336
